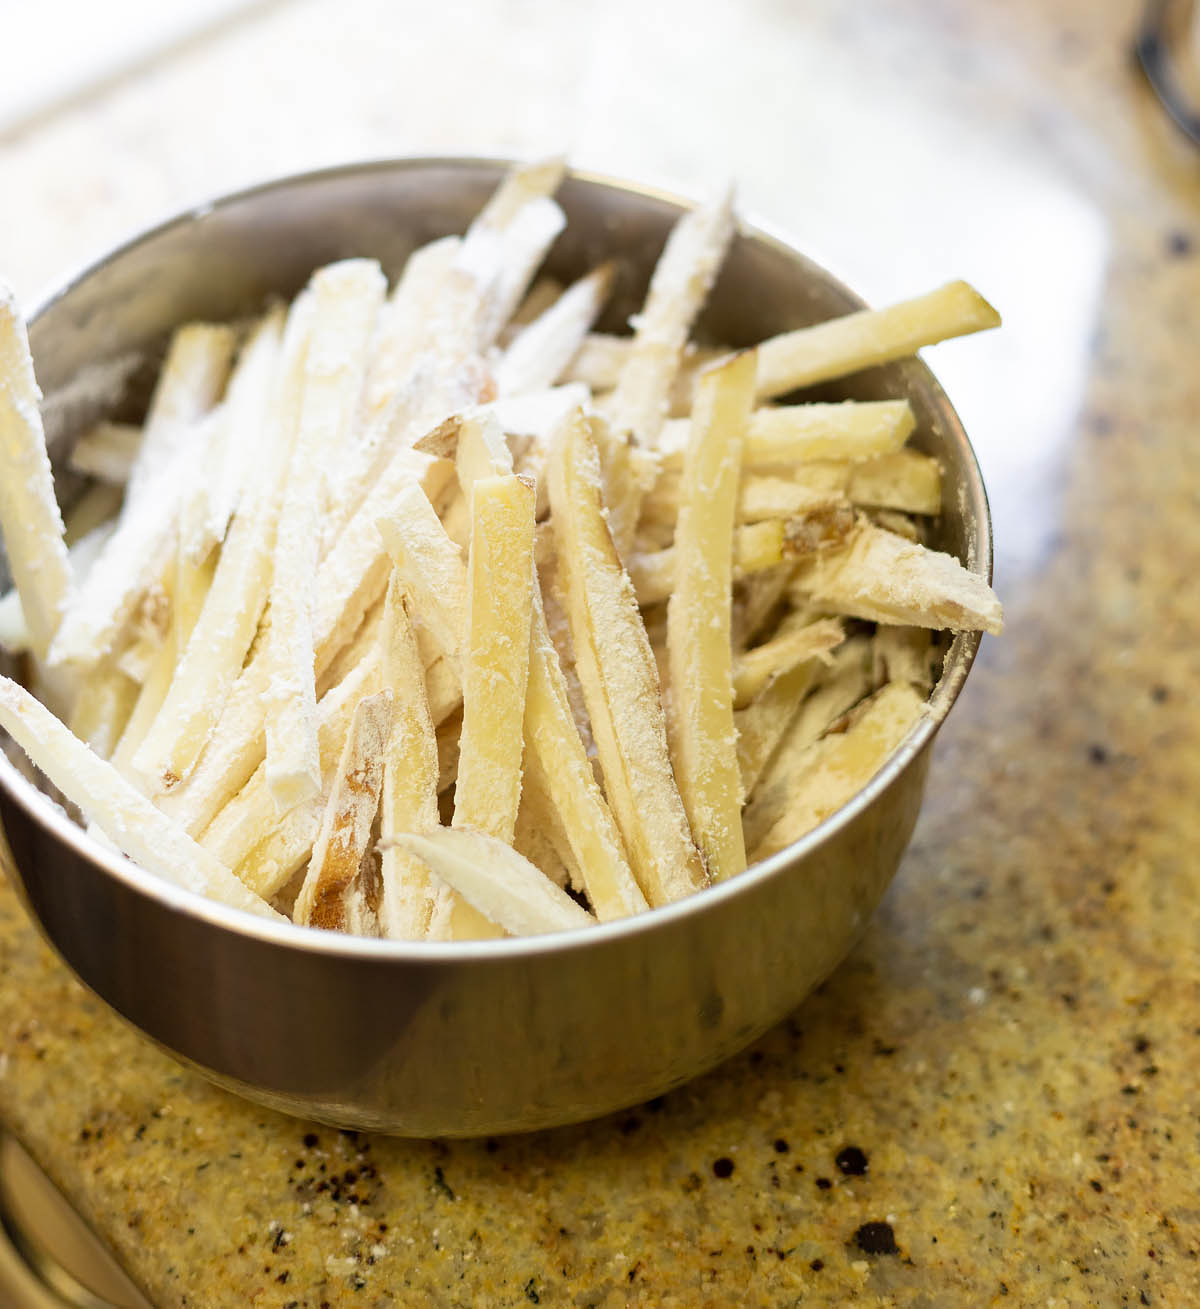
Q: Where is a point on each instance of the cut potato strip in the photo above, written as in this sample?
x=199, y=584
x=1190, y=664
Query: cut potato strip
x=756, y=599
x=619, y=678
x=700, y=704
x=788, y=434
x=869, y=337
x=411, y=775
x=540, y=352
x=840, y=765
x=264, y=848
x=495, y=661
x=495, y=656
x=557, y=765
x=333, y=895
x=764, y=722
x=217, y=648
x=755, y=546
x=503, y=886
x=127, y=818
x=904, y=654
x=520, y=186
x=685, y=271
x=430, y=566
x=753, y=669
x=540, y=296
x=887, y=579
x=103, y=703
x=190, y=383
x=107, y=452
x=239, y=444
x=351, y=580
x=29, y=516
x=81, y=554
x=346, y=300
x=840, y=687
x=401, y=332
x=127, y=568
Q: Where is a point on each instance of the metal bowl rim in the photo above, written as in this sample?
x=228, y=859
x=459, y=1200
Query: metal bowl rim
x=960, y=656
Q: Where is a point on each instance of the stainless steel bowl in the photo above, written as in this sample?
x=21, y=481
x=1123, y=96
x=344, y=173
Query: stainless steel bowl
x=460, y=1039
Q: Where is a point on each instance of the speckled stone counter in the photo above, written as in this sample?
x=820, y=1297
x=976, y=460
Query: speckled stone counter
x=994, y=1100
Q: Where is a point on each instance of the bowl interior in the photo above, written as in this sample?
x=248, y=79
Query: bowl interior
x=98, y=341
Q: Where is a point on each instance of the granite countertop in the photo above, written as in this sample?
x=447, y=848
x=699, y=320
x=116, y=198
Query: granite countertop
x=993, y=1099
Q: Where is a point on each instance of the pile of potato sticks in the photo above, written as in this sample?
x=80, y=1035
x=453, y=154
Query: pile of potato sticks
x=433, y=613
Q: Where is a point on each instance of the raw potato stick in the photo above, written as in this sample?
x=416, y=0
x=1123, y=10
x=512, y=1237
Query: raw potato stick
x=81, y=554
x=411, y=774
x=869, y=337
x=351, y=579
x=880, y=576
x=839, y=688
x=495, y=660
x=213, y=659
x=557, y=766
x=700, y=704
x=190, y=383
x=685, y=271
x=103, y=702
x=106, y=452
x=400, y=333
x=540, y=351
x=29, y=516
x=619, y=678
x=495, y=656
x=241, y=446
x=754, y=668
x=755, y=546
x=763, y=723
x=129, y=820
x=346, y=300
x=840, y=765
x=430, y=565
x=787, y=434
x=501, y=885
x=263, y=847
x=333, y=896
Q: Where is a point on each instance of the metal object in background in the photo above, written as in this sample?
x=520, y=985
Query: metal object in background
x=476, y=1037
x=49, y=1258
x=1167, y=46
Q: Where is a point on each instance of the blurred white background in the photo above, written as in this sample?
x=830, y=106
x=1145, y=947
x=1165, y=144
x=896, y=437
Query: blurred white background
x=895, y=165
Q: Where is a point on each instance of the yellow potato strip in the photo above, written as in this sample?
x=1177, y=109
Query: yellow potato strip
x=753, y=669
x=189, y=384
x=126, y=817
x=29, y=516
x=685, y=271
x=840, y=765
x=700, y=704
x=216, y=650
x=869, y=337
x=619, y=678
x=540, y=351
x=410, y=777
x=264, y=847
x=885, y=578
x=346, y=300
x=501, y=885
x=106, y=452
x=350, y=580
x=332, y=896
x=755, y=546
x=495, y=656
x=556, y=763
x=764, y=722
